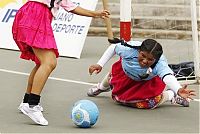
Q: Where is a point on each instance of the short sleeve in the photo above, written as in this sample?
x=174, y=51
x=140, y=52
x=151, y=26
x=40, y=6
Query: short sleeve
x=162, y=67
x=68, y=5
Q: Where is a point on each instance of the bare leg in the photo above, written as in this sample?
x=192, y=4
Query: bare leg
x=36, y=82
x=29, y=85
x=30, y=80
x=48, y=62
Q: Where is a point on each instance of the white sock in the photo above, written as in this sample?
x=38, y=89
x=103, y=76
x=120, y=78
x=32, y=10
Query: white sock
x=170, y=94
x=105, y=82
x=167, y=96
x=101, y=86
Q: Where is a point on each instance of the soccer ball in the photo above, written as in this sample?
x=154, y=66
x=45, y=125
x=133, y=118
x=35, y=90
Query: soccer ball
x=84, y=113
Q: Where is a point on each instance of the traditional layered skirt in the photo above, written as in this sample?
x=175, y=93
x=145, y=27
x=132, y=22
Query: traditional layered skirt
x=140, y=94
x=32, y=29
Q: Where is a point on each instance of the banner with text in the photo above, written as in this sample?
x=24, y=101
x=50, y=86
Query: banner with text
x=70, y=30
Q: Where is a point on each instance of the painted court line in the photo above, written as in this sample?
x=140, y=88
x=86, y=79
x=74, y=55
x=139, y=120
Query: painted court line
x=196, y=100
x=52, y=78
x=60, y=79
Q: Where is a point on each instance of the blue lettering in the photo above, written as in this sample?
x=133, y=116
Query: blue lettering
x=77, y=3
x=9, y=14
x=73, y=28
x=54, y=26
x=70, y=29
x=63, y=27
x=64, y=16
x=69, y=17
x=6, y=15
x=58, y=28
x=81, y=30
x=77, y=27
x=60, y=17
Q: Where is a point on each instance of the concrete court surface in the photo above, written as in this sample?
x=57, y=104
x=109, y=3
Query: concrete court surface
x=70, y=82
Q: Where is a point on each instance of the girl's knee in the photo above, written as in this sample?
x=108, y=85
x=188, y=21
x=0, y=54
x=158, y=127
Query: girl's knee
x=53, y=64
x=50, y=64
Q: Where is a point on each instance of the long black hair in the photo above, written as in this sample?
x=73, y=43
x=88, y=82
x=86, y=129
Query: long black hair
x=51, y=4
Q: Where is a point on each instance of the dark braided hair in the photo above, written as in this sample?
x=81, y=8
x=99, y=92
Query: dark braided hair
x=153, y=47
x=149, y=45
x=51, y=4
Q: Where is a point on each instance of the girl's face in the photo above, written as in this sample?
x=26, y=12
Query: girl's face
x=145, y=59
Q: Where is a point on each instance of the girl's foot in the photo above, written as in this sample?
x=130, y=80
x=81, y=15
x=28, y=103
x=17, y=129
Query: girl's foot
x=95, y=90
x=181, y=101
x=24, y=104
x=35, y=114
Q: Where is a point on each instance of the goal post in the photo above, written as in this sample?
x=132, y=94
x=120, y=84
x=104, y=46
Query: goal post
x=125, y=20
x=195, y=38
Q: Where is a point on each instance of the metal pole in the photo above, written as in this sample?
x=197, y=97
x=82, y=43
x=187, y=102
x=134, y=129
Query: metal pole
x=195, y=38
x=125, y=19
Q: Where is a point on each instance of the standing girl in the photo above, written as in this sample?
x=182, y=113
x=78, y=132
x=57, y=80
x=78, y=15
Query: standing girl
x=33, y=35
x=138, y=79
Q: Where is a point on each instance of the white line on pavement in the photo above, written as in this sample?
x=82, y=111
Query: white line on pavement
x=52, y=78
x=60, y=79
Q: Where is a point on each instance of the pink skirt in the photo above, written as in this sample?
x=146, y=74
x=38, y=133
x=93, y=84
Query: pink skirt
x=127, y=90
x=32, y=29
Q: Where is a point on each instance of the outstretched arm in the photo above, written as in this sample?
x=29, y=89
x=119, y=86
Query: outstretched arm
x=85, y=12
x=173, y=84
x=186, y=93
x=108, y=54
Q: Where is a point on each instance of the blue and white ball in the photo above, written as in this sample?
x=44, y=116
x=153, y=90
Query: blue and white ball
x=84, y=113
